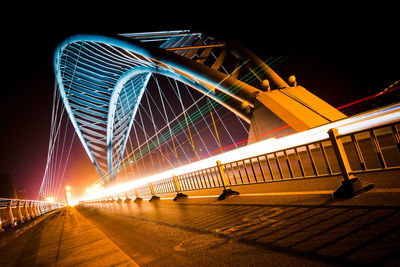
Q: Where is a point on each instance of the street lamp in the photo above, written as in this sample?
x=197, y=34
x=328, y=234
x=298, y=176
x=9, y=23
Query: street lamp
x=67, y=193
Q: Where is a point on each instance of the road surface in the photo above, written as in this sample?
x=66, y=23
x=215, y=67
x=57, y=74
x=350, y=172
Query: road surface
x=285, y=226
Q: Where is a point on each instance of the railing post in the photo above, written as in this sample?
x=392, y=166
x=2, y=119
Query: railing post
x=31, y=207
x=351, y=185
x=227, y=190
x=19, y=212
x=340, y=154
x=127, y=199
x=41, y=209
x=222, y=174
x=37, y=208
x=138, y=198
x=179, y=193
x=27, y=215
x=153, y=194
x=10, y=213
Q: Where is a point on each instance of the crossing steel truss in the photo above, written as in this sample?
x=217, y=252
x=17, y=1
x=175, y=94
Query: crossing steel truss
x=102, y=79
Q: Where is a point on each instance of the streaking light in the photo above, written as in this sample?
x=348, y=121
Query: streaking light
x=358, y=122
x=50, y=199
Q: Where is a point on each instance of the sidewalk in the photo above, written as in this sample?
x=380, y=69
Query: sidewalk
x=64, y=238
x=314, y=191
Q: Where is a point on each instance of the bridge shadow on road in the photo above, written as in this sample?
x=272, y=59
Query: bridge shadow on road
x=328, y=233
x=27, y=247
x=365, y=235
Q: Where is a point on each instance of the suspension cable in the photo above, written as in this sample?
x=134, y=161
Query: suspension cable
x=166, y=117
x=198, y=113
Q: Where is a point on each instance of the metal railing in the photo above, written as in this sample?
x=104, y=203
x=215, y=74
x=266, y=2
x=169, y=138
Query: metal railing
x=372, y=149
x=16, y=211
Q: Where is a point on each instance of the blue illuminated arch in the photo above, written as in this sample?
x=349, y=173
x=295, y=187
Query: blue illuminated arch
x=102, y=79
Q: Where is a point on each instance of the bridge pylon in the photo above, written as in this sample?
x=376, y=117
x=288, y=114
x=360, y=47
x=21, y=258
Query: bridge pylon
x=287, y=106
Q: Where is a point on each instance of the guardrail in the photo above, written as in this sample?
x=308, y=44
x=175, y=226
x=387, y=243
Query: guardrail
x=373, y=149
x=16, y=211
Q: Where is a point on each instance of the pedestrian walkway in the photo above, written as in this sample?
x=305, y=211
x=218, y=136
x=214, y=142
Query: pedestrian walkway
x=63, y=238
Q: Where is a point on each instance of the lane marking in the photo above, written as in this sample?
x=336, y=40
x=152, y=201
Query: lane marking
x=384, y=190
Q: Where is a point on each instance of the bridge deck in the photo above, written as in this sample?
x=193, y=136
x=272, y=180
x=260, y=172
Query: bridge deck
x=61, y=238
x=293, y=227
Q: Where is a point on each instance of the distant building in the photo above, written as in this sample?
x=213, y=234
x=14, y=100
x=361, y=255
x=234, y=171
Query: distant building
x=7, y=186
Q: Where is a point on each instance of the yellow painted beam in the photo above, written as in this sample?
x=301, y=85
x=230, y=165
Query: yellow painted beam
x=298, y=116
x=315, y=103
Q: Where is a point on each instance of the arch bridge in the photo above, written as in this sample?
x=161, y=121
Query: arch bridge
x=102, y=79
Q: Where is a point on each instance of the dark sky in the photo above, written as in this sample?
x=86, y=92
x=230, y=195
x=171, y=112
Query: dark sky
x=340, y=54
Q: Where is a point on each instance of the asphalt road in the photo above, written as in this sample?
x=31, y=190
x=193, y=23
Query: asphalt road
x=284, y=225
x=268, y=230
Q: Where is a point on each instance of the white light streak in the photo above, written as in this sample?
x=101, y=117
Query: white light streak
x=358, y=122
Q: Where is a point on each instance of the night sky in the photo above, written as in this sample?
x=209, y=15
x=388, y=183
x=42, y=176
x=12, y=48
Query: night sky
x=341, y=56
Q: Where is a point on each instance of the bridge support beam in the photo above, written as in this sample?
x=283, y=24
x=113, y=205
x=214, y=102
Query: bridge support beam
x=227, y=192
x=351, y=185
x=282, y=112
x=265, y=123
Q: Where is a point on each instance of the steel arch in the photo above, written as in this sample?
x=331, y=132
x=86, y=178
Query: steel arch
x=101, y=80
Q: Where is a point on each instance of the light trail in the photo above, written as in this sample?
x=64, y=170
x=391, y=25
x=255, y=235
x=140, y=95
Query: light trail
x=366, y=120
x=249, y=77
x=387, y=90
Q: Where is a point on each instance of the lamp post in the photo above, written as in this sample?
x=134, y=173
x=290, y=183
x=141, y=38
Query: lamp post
x=67, y=193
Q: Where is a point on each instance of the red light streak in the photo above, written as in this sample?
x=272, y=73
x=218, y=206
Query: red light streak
x=368, y=97
x=285, y=126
